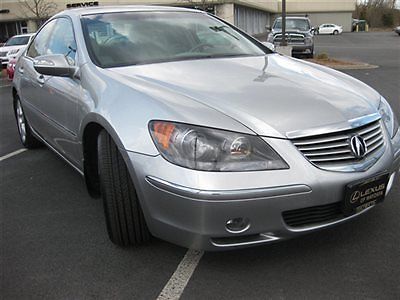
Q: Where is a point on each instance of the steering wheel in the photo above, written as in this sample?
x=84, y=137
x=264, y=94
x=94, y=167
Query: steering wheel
x=201, y=46
x=115, y=38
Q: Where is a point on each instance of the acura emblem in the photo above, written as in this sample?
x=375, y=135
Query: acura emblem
x=358, y=146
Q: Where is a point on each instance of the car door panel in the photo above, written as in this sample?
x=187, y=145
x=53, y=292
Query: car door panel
x=52, y=100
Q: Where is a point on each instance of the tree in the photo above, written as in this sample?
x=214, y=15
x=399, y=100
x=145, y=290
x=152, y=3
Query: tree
x=40, y=9
x=378, y=13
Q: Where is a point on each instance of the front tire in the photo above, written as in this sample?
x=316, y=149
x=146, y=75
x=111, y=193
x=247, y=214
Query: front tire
x=25, y=133
x=124, y=217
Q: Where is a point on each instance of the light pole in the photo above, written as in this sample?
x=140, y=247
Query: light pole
x=283, y=41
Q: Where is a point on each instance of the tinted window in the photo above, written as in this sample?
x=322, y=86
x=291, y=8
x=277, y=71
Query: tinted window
x=118, y=39
x=38, y=46
x=17, y=40
x=62, y=40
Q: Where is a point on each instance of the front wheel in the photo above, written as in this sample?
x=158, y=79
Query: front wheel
x=124, y=216
x=25, y=133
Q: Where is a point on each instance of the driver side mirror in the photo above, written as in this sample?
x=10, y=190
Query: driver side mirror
x=54, y=65
x=268, y=28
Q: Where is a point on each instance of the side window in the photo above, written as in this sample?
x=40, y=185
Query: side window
x=62, y=40
x=38, y=47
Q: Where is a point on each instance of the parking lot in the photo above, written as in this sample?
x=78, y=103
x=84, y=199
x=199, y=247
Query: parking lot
x=54, y=243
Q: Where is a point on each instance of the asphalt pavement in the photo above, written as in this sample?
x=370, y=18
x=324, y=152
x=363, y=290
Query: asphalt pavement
x=54, y=245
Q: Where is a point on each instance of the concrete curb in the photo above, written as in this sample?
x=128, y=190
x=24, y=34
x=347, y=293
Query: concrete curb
x=352, y=67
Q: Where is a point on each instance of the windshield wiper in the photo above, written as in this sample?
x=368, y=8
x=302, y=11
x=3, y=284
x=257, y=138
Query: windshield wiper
x=222, y=29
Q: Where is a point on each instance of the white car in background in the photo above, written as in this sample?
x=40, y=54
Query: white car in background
x=329, y=29
x=13, y=46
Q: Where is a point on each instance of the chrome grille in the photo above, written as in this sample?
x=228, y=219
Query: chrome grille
x=334, y=149
x=291, y=38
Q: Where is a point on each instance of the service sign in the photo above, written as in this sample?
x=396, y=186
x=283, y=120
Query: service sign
x=83, y=4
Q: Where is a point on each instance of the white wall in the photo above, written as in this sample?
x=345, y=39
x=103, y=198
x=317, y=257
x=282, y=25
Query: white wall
x=339, y=18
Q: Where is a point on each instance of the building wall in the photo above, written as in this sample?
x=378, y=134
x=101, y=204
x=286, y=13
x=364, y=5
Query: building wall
x=294, y=6
x=226, y=12
x=339, y=18
x=250, y=20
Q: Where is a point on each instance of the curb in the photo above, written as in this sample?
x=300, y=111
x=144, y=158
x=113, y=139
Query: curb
x=352, y=67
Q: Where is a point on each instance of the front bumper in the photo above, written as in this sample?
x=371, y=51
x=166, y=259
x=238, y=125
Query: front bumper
x=302, y=49
x=191, y=208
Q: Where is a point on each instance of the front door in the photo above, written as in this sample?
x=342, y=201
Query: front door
x=54, y=100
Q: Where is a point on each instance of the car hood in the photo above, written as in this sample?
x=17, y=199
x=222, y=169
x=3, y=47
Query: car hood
x=273, y=95
x=9, y=48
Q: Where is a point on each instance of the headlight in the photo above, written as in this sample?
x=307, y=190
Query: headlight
x=308, y=40
x=270, y=38
x=207, y=149
x=388, y=117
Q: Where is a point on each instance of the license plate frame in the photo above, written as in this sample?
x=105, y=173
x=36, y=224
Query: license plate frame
x=365, y=193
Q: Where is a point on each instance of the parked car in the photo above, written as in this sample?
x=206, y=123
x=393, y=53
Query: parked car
x=397, y=30
x=194, y=132
x=12, y=63
x=329, y=29
x=299, y=35
x=11, y=68
x=12, y=47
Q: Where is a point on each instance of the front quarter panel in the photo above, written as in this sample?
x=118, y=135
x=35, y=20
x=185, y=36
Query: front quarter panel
x=124, y=107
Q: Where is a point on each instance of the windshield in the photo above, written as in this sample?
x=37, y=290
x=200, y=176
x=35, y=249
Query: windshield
x=17, y=41
x=293, y=24
x=121, y=39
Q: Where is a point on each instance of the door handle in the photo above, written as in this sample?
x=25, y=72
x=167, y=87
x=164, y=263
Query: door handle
x=40, y=79
x=21, y=70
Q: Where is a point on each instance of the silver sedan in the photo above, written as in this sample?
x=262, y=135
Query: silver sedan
x=194, y=132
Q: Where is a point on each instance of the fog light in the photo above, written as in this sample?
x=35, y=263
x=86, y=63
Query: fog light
x=237, y=225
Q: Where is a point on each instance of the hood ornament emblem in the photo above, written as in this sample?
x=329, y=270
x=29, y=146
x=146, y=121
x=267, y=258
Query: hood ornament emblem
x=358, y=146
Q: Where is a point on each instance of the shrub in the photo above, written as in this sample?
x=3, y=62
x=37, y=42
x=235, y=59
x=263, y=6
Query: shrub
x=323, y=55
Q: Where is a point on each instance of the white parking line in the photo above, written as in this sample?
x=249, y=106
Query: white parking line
x=16, y=152
x=177, y=283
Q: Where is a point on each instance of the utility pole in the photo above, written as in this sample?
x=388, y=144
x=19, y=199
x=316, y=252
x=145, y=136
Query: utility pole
x=284, y=41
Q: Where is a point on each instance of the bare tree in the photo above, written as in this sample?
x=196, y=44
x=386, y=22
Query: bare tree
x=391, y=4
x=378, y=13
x=40, y=9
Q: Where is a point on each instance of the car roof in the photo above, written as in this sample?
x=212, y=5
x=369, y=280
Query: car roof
x=82, y=11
